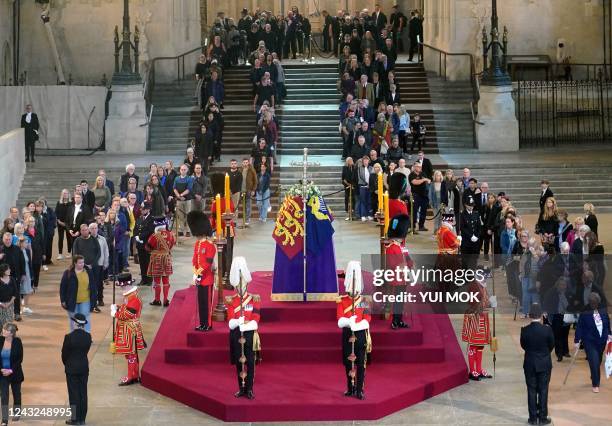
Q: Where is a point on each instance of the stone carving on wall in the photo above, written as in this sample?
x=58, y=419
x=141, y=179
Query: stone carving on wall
x=481, y=12
x=143, y=18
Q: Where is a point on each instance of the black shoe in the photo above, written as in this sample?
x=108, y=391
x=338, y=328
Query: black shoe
x=350, y=391
x=71, y=422
x=473, y=377
x=27, y=160
x=129, y=382
x=16, y=418
x=166, y=303
x=250, y=395
x=567, y=355
x=402, y=324
x=485, y=375
x=532, y=422
x=240, y=393
x=155, y=303
x=97, y=310
x=17, y=317
x=33, y=160
x=394, y=326
x=559, y=358
x=360, y=395
x=208, y=328
x=201, y=328
x=422, y=228
x=545, y=421
x=101, y=303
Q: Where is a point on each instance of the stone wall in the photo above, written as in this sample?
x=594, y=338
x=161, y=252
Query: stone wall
x=534, y=26
x=6, y=41
x=12, y=167
x=84, y=35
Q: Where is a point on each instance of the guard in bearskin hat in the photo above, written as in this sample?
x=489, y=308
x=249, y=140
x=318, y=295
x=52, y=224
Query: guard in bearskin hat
x=160, y=264
x=204, y=252
x=397, y=256
x=448, y=241
x=398, y=184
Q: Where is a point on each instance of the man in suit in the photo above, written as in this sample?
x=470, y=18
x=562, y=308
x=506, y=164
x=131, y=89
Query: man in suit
x=538, y=342
x=426, y=165
x=78, y=214
x=415, y=31
x=473, y=192
x=393, y=97
x=328, y=33
x=89, y=198
x=29, y=122
x=76, y=365
x=379, y=18
x=143, y=230
x=545, y=193
x=365, y=90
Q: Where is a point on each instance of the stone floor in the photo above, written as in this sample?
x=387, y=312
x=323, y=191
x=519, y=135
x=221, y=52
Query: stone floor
x=498, y=401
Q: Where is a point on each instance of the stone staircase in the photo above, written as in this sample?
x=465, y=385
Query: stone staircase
x=573, y=185
x=452, y=114
x=413, y=83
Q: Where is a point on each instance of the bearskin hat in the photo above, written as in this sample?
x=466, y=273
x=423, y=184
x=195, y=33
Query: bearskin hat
x=199, y=225
x=397, y=185
x=217, y=183
x=399, y=226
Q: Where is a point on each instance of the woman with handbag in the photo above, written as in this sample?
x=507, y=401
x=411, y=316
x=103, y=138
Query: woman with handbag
x=11, y=356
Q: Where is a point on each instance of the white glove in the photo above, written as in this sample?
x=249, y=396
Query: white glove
x=493, y=301
x=361, y=325
x=113, y=310
x=138, y=240
x=353, y=319
x=233, y=323
x=343, y=322
x=196, y=279
x=241, y=320
x=459, y=238
x=474, y=238
x=249, y=326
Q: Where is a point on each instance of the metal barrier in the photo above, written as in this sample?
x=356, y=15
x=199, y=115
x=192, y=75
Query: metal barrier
x=564, y=112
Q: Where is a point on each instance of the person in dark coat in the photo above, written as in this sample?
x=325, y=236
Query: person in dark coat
x=470, y=234
x=415, y=30
x=556, y=304
x=130, y=170
x=593, y=330
x=538, y=341
x=30, y=124
x=349, y=181
x=12, y=373
x=12, y=256
x=144, y=229
x=76, y=298
x=50, y=223
x=545, y=194
x=76, y=365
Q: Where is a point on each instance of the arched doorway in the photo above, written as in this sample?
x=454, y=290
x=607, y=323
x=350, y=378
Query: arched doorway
x=7, y=65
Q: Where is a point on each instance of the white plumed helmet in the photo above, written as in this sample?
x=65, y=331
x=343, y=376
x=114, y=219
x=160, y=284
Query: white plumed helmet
x=353, y=277
x=239, y=272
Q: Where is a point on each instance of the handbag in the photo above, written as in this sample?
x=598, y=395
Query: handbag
x=569, y=319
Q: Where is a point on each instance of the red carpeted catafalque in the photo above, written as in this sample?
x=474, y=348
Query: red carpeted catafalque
x=301, y=377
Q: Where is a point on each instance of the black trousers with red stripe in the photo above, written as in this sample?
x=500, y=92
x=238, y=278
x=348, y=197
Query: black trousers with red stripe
x=205, y=304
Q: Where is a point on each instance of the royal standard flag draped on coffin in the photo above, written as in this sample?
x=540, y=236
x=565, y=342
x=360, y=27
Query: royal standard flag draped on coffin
x=321, y=278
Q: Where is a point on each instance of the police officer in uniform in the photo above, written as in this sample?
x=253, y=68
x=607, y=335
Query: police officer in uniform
x=76, y=365
x=470, y=234
x=143, y=230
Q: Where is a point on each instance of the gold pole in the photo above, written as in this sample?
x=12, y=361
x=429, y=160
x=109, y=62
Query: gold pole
x=412, y=225
x=220, y=310
x=350, y=212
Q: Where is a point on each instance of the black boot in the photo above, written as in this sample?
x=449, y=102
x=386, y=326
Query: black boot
x=250, y=395
x=242, y=392
x=350, y=389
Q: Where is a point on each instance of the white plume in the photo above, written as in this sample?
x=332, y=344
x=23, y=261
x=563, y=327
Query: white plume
x=239, y=269
x=353, y=275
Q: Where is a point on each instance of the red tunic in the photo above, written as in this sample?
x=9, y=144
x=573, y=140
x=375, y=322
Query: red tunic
x=476, y=329
x=213, y=215
x=345, y=308
x=396, y=256
x=397, y=207
x=447, y=241
x=204, y=252
x=128, y=331
x=251, y=306
x=161, y=244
